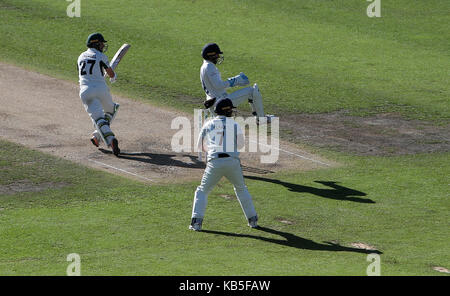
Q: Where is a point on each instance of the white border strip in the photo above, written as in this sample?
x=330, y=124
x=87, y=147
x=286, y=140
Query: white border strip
x=121, y=170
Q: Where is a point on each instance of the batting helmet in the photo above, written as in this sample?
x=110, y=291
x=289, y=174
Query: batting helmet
x=94, y=40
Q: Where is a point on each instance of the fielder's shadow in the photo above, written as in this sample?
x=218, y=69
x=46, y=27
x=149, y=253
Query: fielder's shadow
x=337, y=192
x=291, y=240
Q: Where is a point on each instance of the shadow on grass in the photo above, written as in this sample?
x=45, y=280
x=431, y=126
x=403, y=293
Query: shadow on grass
x=337, y=192
x=291, y=240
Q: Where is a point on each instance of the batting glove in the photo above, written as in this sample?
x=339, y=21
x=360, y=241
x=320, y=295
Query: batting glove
x=113, y=79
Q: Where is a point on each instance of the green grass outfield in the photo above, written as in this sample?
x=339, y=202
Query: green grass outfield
x=122, y=227
x=307, y=56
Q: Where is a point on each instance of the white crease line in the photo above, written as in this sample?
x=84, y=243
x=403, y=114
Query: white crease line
x=298, y=155
x=121, y=170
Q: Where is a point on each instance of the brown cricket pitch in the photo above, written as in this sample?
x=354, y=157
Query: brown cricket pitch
x=46, y=114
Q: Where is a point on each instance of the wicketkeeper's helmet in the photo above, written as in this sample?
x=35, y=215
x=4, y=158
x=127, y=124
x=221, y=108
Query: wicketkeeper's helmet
x=212, y=52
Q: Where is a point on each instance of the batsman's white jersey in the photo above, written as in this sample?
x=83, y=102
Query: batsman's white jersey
x=94, y=91
x=91, y=67
x=215, y=87
x=223, y=137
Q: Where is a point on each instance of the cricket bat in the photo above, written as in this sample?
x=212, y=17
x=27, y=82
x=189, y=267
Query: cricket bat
x=118, y=56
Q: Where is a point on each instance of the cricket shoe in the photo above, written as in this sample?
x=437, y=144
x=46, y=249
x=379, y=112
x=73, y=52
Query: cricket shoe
x=95, y=141
x=116, y=107
x=115, y=147
x=196, y=224
x=253, y=222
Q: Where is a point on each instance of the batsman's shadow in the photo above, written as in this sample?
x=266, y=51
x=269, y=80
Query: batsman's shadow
x=336, y=191
x=164, y=159
x=161, y=159
x=291, y=240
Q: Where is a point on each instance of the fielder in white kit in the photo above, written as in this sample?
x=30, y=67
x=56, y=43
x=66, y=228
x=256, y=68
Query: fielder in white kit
x=223, y=137
x=215, y=87
x=94, y=93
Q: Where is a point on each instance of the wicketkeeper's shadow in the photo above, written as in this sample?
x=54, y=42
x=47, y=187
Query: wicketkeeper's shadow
x=291, y=240
x=337, y=192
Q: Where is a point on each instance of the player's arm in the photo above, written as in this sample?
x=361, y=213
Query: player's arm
x=217, y=82
x=215, y=79
x=201, y=141
x=104, y=64
x=204, y=147
x=110, y=72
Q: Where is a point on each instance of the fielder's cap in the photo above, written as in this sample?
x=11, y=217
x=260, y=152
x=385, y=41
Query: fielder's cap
x=210, y=49
x=95, y=37
x=223, y=106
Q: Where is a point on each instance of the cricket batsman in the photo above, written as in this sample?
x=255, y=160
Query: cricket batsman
x=94, y=93
x=215, y=88
x=222, y=137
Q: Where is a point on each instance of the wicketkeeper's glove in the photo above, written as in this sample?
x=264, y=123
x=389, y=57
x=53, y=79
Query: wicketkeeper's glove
x=238, y=80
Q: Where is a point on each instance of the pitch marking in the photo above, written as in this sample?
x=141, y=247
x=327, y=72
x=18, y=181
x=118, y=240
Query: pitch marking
x=295, y=154
x=121, y=170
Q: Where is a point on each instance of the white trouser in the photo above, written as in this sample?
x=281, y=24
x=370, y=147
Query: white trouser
x=250, y=94
x=215, y=170
x=97, y=101
x=253, y=95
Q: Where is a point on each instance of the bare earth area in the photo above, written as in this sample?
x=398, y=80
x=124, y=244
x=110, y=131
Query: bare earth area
x=46, y=114
x=382, y=134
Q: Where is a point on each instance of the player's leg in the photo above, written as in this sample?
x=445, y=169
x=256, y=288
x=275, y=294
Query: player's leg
x=258, y=106
x=257, y=101
x=254, y=97
x=109, y=109
x=240, y=96
x=233, y=172
x=86, y=96
x=95, y=110
x=96, y=136
x=101, y=123
x=212, y=175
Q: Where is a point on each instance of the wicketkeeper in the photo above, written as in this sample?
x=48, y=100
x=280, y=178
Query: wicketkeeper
x=94, y=93
x=223, y=138
x=215, y=88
